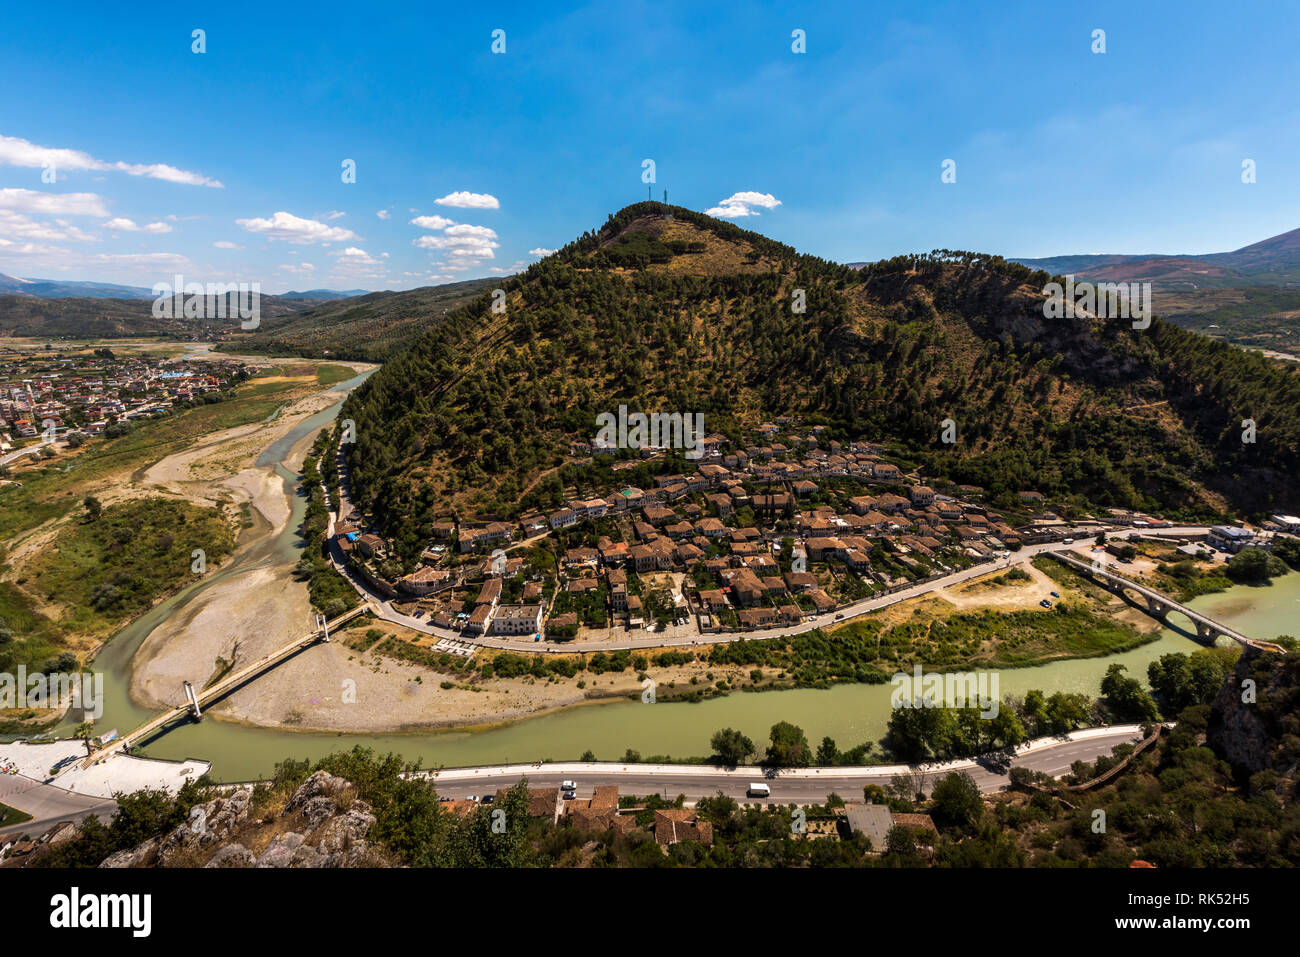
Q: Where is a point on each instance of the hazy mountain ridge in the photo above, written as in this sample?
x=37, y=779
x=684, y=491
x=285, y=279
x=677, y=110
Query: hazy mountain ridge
x=368, y=327
x=1271, y=262
x=90, y=318
x=68, y=289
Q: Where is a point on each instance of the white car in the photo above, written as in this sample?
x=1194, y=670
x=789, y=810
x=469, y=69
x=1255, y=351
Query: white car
x=568, y=786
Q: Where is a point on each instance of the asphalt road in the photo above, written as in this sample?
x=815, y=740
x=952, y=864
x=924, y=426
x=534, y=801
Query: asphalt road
x=48, y=805
x=808, y=787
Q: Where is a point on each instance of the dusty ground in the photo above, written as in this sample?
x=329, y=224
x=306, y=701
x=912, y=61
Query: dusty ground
x=251, y=612
x=1017, y=596
x=335, y=688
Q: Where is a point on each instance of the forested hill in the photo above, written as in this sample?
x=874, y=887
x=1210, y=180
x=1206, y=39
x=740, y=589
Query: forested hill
x=370, y=326
x=668, y=310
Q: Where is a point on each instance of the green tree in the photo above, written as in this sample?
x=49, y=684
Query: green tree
x=93, y=508
x=956, y=801
x=1126, y=697
x=1254, y=566
x=789, y=746
x=730, y=746
x=1180, y=681
x=85, y=731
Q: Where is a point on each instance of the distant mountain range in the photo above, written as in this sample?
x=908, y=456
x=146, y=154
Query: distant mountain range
x=62, y=289
x=369, y=327
x=1271, y=262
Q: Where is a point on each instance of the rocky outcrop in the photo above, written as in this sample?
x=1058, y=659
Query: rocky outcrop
x=1255, y=718
x=322, y=825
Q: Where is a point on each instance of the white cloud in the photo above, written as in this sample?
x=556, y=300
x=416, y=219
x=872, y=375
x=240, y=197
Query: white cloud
x=468, y=248
x=465, y=245
x=123, y=225
x=540, y=251
x=742, y=204
x=294, y=229
x=55, y=204
x=432, y=222
x=24, y=227
x=20, y=152
x=226, y=244
x=382, y=214
x=465, y=231
x=355, y=263
x=301, y=269
x=355, y=255
x=11, y=248
x=465, y=200
x=159, y=260
x=334, y=214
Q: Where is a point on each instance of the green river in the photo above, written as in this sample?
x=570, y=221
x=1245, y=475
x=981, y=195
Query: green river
x=851, y=713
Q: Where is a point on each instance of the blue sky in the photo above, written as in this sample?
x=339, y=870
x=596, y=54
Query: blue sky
x=1057, y=149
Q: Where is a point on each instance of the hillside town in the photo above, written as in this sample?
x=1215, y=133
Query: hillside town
x=786, y=528
x=71, y=396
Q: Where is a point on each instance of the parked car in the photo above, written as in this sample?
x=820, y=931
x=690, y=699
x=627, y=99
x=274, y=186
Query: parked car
x=1056, y=594
x=568, y=786
x=1045, y=603
x=1067, y=541
x=838, y=617
x=489, y=798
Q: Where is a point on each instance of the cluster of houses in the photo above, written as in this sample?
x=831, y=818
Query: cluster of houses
x=85, y=393
x=601, y=813
x=764, y=536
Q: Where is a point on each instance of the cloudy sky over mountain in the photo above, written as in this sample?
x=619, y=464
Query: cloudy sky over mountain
x=400, y=150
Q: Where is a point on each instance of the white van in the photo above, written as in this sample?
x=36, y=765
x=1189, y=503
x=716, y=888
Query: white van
x=758, y=791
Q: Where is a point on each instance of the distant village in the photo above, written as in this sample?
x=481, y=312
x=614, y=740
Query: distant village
x=54, y=395
x=789, y=527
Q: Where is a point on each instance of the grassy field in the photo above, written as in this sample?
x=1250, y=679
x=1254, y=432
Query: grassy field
x=997, y=639
x=9, y=815
x=328, y=375
x=31, y=636
x=99, y=573
x=110, y=567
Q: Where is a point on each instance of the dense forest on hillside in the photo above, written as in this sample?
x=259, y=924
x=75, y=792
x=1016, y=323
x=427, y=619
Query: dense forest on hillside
x=478, y=408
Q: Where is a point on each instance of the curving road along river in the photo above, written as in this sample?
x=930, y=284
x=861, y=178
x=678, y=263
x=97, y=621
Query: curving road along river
x=851, y=714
